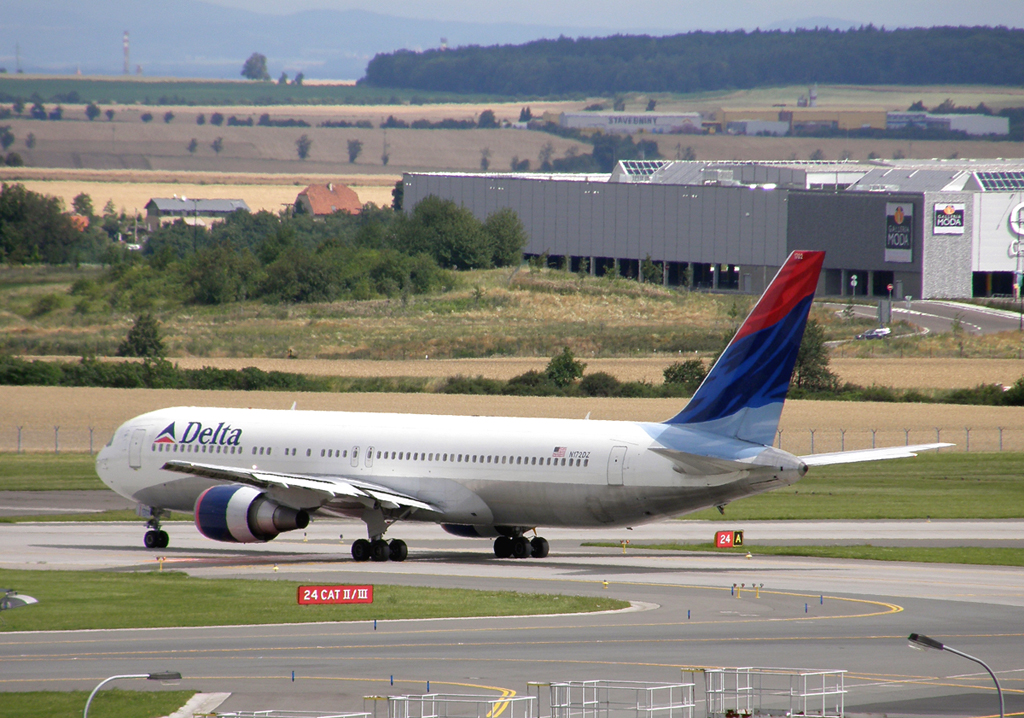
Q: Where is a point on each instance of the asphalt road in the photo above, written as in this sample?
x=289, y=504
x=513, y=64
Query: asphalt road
x=811, y=613
x=938, y=316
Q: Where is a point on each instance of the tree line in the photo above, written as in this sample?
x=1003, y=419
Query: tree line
x=380, y=252
x=702, y=61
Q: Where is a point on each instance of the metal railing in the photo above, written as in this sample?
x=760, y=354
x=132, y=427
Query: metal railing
x=773, y=692
x=614, y=699
x=453, y=705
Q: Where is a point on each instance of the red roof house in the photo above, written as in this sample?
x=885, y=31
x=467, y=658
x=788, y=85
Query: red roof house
x=320, y=200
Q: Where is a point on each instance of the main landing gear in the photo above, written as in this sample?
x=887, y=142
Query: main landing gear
x=520, y=547
x=155, y=537
x=379, y=550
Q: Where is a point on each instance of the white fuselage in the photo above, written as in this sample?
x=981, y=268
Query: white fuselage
x=481, y=471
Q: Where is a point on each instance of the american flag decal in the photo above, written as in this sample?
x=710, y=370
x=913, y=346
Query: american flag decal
x=559, y=452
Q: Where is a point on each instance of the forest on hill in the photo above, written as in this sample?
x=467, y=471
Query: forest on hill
x=707, y=61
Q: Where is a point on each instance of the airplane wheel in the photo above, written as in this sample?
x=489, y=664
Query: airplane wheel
x=399, y=551
x=503, y=547
x=151, y=539
x=540, y=547
x=162, y=539
x=379, y=550
x=521, y=547
x=361, y=550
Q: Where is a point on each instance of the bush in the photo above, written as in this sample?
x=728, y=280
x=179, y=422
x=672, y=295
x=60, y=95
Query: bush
x=564, y=369
x=532, y=383
x=599, y=384
x=143, y=339
x=468, y=385
x=688, y=374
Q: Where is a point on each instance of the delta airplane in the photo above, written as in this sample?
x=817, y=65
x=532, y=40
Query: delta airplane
x=250, y=474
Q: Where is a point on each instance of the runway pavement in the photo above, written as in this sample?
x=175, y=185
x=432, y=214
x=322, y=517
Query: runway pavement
x=811, y=613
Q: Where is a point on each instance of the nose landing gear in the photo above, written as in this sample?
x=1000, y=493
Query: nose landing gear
x=155, y=537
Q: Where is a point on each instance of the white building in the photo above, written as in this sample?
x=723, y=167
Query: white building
x=632, y=122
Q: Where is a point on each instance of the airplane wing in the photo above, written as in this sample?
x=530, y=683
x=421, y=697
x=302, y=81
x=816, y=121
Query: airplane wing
x=325, y=488
x=852, y=457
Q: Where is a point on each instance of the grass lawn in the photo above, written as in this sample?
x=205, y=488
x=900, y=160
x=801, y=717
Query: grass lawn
x=48, y=472
x=108, y=703
x=115, y=515
x=938, y=486
x=963, y=554
x=70, y=600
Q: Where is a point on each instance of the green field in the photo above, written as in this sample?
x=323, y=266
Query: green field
x=73, y=600
x=48, y=472
x=960, y=554
x=105, y=91
x=938, y=486
x=108, y=703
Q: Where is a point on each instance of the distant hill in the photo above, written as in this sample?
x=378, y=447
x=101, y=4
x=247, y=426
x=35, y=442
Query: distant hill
x=703, y=61
x=191, y=38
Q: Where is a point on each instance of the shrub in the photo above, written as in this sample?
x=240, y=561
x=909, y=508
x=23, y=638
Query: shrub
x=564, y=369
x=599, y=384
x=532, y=383
x=468, y=385
x=688, y=374
x=143, y=339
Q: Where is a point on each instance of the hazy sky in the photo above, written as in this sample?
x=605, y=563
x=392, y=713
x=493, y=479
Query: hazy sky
x=674, y=16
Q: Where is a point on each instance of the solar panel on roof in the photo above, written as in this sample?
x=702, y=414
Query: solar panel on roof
x=1000, y=181
x=642, y=167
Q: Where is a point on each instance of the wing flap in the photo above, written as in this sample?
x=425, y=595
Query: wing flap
x=853, y=457
x=329, y=487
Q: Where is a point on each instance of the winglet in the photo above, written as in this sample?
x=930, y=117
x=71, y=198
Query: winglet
x=742, y=396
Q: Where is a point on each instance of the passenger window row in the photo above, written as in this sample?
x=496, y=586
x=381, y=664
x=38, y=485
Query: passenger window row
x=386, y=455
x=197, y=449
x=481, y=458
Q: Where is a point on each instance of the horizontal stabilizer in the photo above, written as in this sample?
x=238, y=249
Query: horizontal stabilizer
x=328, y=486
x=853, y=457
x=696, y=464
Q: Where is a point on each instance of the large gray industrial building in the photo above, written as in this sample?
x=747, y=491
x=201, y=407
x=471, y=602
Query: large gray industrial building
x=933, y=229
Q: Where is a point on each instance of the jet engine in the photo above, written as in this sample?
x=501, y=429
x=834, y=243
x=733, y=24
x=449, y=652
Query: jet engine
x=242, y=514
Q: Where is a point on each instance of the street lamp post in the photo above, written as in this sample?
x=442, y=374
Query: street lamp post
x=160, y=676
x=918, y=642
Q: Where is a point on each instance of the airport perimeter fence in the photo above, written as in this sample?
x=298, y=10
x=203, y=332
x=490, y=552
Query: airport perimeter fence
x=800, y=441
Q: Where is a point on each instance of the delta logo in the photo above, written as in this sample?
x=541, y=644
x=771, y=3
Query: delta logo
x=196, y=433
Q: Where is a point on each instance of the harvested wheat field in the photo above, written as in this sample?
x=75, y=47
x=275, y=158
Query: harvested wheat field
x=917, y=373
x=928, y=373
x=131, y=195
x=74, y=410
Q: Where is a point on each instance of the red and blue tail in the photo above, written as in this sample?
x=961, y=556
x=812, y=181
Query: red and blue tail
x=743, y=395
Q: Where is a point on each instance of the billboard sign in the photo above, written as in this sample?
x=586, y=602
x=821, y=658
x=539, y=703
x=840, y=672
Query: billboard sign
x=899, y=232
x=948, y=218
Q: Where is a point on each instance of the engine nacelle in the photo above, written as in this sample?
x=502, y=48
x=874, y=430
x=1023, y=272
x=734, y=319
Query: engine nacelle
x=242, y=514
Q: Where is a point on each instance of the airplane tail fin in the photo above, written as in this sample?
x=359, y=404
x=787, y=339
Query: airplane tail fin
x=742, y=396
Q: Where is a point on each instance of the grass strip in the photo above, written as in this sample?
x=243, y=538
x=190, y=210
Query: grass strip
x=937, y=486
x=114, y=515
x=71, y=600
x=108, y=703
x=48, y=472
x=980, y=556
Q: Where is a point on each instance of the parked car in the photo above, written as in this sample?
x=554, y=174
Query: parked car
x=876, y=333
